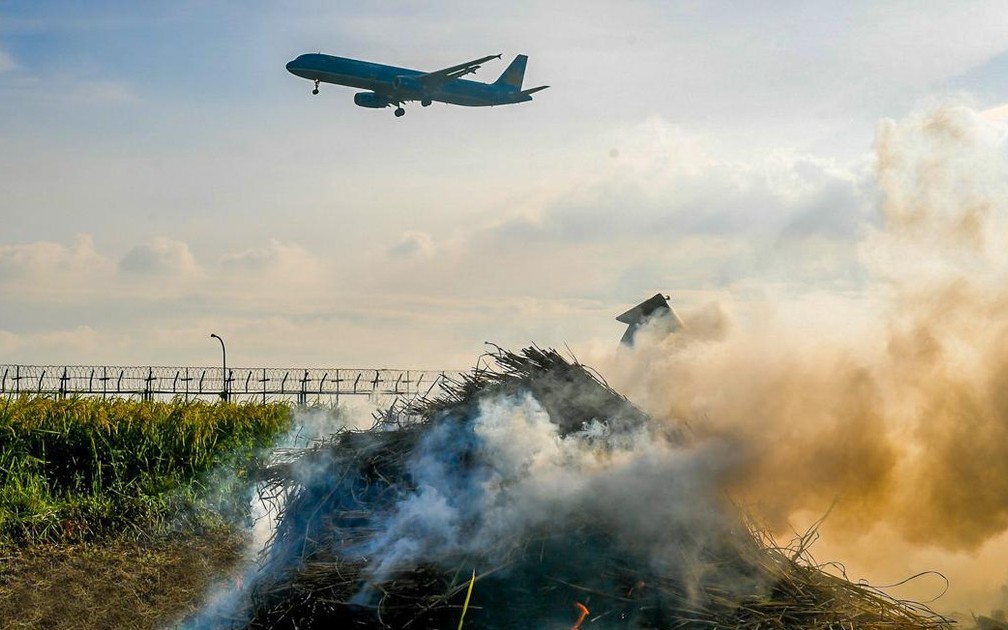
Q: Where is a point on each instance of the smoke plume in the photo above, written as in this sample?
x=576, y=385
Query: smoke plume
x=890, y=405
x=226, y=600
x=523, y=477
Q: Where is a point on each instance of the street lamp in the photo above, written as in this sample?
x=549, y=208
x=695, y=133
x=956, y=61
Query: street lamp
x=224, y=391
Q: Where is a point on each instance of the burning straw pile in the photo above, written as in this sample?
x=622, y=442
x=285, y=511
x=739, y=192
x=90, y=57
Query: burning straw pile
x=550, y=497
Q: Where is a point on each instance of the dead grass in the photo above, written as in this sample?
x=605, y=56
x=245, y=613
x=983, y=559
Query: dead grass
x=729, y=575
x=121, y=584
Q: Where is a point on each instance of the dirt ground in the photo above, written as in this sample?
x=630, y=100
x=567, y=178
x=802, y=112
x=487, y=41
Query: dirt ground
x=113, y=585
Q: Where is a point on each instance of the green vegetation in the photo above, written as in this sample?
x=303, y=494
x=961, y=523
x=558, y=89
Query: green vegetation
x=81, y=468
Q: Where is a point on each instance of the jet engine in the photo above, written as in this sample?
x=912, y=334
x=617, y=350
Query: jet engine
x=370, y=99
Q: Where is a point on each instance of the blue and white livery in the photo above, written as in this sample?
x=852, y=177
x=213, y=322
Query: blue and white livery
x=389, y=85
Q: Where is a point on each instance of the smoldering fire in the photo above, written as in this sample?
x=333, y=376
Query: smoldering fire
x=556, y=491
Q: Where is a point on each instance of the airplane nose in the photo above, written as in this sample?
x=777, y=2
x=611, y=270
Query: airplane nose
x=290, y=66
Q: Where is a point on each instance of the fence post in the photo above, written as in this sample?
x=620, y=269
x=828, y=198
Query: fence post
x=303, y=398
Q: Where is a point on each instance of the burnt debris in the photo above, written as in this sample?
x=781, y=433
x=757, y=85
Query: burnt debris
x=385, y=528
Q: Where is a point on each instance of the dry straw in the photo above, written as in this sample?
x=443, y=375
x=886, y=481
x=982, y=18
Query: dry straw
x=312, y=573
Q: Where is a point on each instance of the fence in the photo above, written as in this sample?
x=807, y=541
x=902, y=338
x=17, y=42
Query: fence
x=302, y=385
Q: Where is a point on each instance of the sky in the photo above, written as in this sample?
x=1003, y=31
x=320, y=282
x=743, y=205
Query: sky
x=163, y=177
x=780, y=163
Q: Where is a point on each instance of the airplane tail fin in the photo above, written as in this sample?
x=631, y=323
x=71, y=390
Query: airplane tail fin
x=514, y=74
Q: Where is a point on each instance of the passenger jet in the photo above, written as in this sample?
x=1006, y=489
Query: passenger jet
x=389, y=85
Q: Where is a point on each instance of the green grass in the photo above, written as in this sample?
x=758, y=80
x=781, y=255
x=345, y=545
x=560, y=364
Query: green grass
x=81, y=468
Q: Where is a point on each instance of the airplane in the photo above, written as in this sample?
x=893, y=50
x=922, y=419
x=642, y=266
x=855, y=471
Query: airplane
x=389, y=85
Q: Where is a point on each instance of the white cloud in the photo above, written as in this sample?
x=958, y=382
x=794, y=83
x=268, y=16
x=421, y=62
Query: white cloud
x=49, y=260
x=674, y=210
x=262, y=277
x=278, y=278
x=996, y=114
x=670, y=184
x=106, y=341
x=274, y=257
x=50, y=346
x=413, y=245
x=160, y=257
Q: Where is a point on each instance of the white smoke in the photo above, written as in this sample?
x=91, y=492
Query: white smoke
x=484, y=488
x=228, y=598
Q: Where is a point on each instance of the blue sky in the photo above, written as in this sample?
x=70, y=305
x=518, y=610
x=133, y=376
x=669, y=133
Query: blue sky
x=162, y=175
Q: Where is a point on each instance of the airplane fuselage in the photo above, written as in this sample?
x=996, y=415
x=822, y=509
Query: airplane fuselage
x=398, y=85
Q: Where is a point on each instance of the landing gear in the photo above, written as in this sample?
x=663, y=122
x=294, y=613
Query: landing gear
x=399, y=112
x=426, y=102
x=315, y=91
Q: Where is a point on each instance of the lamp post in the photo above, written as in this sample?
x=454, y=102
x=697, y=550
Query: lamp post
x=224, y=390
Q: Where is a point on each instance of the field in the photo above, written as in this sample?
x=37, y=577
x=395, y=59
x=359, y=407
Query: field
x=81, y=468
x=109, y=499
x=126, y=514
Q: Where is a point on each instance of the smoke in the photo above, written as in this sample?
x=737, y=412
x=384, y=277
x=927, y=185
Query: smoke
x=226, y=600
x=890, y=405
x=476, y=485
x=888, y=408
x=522, y=478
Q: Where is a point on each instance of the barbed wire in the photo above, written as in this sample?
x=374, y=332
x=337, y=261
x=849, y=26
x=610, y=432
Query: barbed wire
x=148, y=382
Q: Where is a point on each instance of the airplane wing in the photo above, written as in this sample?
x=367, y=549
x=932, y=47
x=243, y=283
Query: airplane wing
x=447, y=74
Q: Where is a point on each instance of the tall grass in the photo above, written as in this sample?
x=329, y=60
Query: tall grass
x=79, y=468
